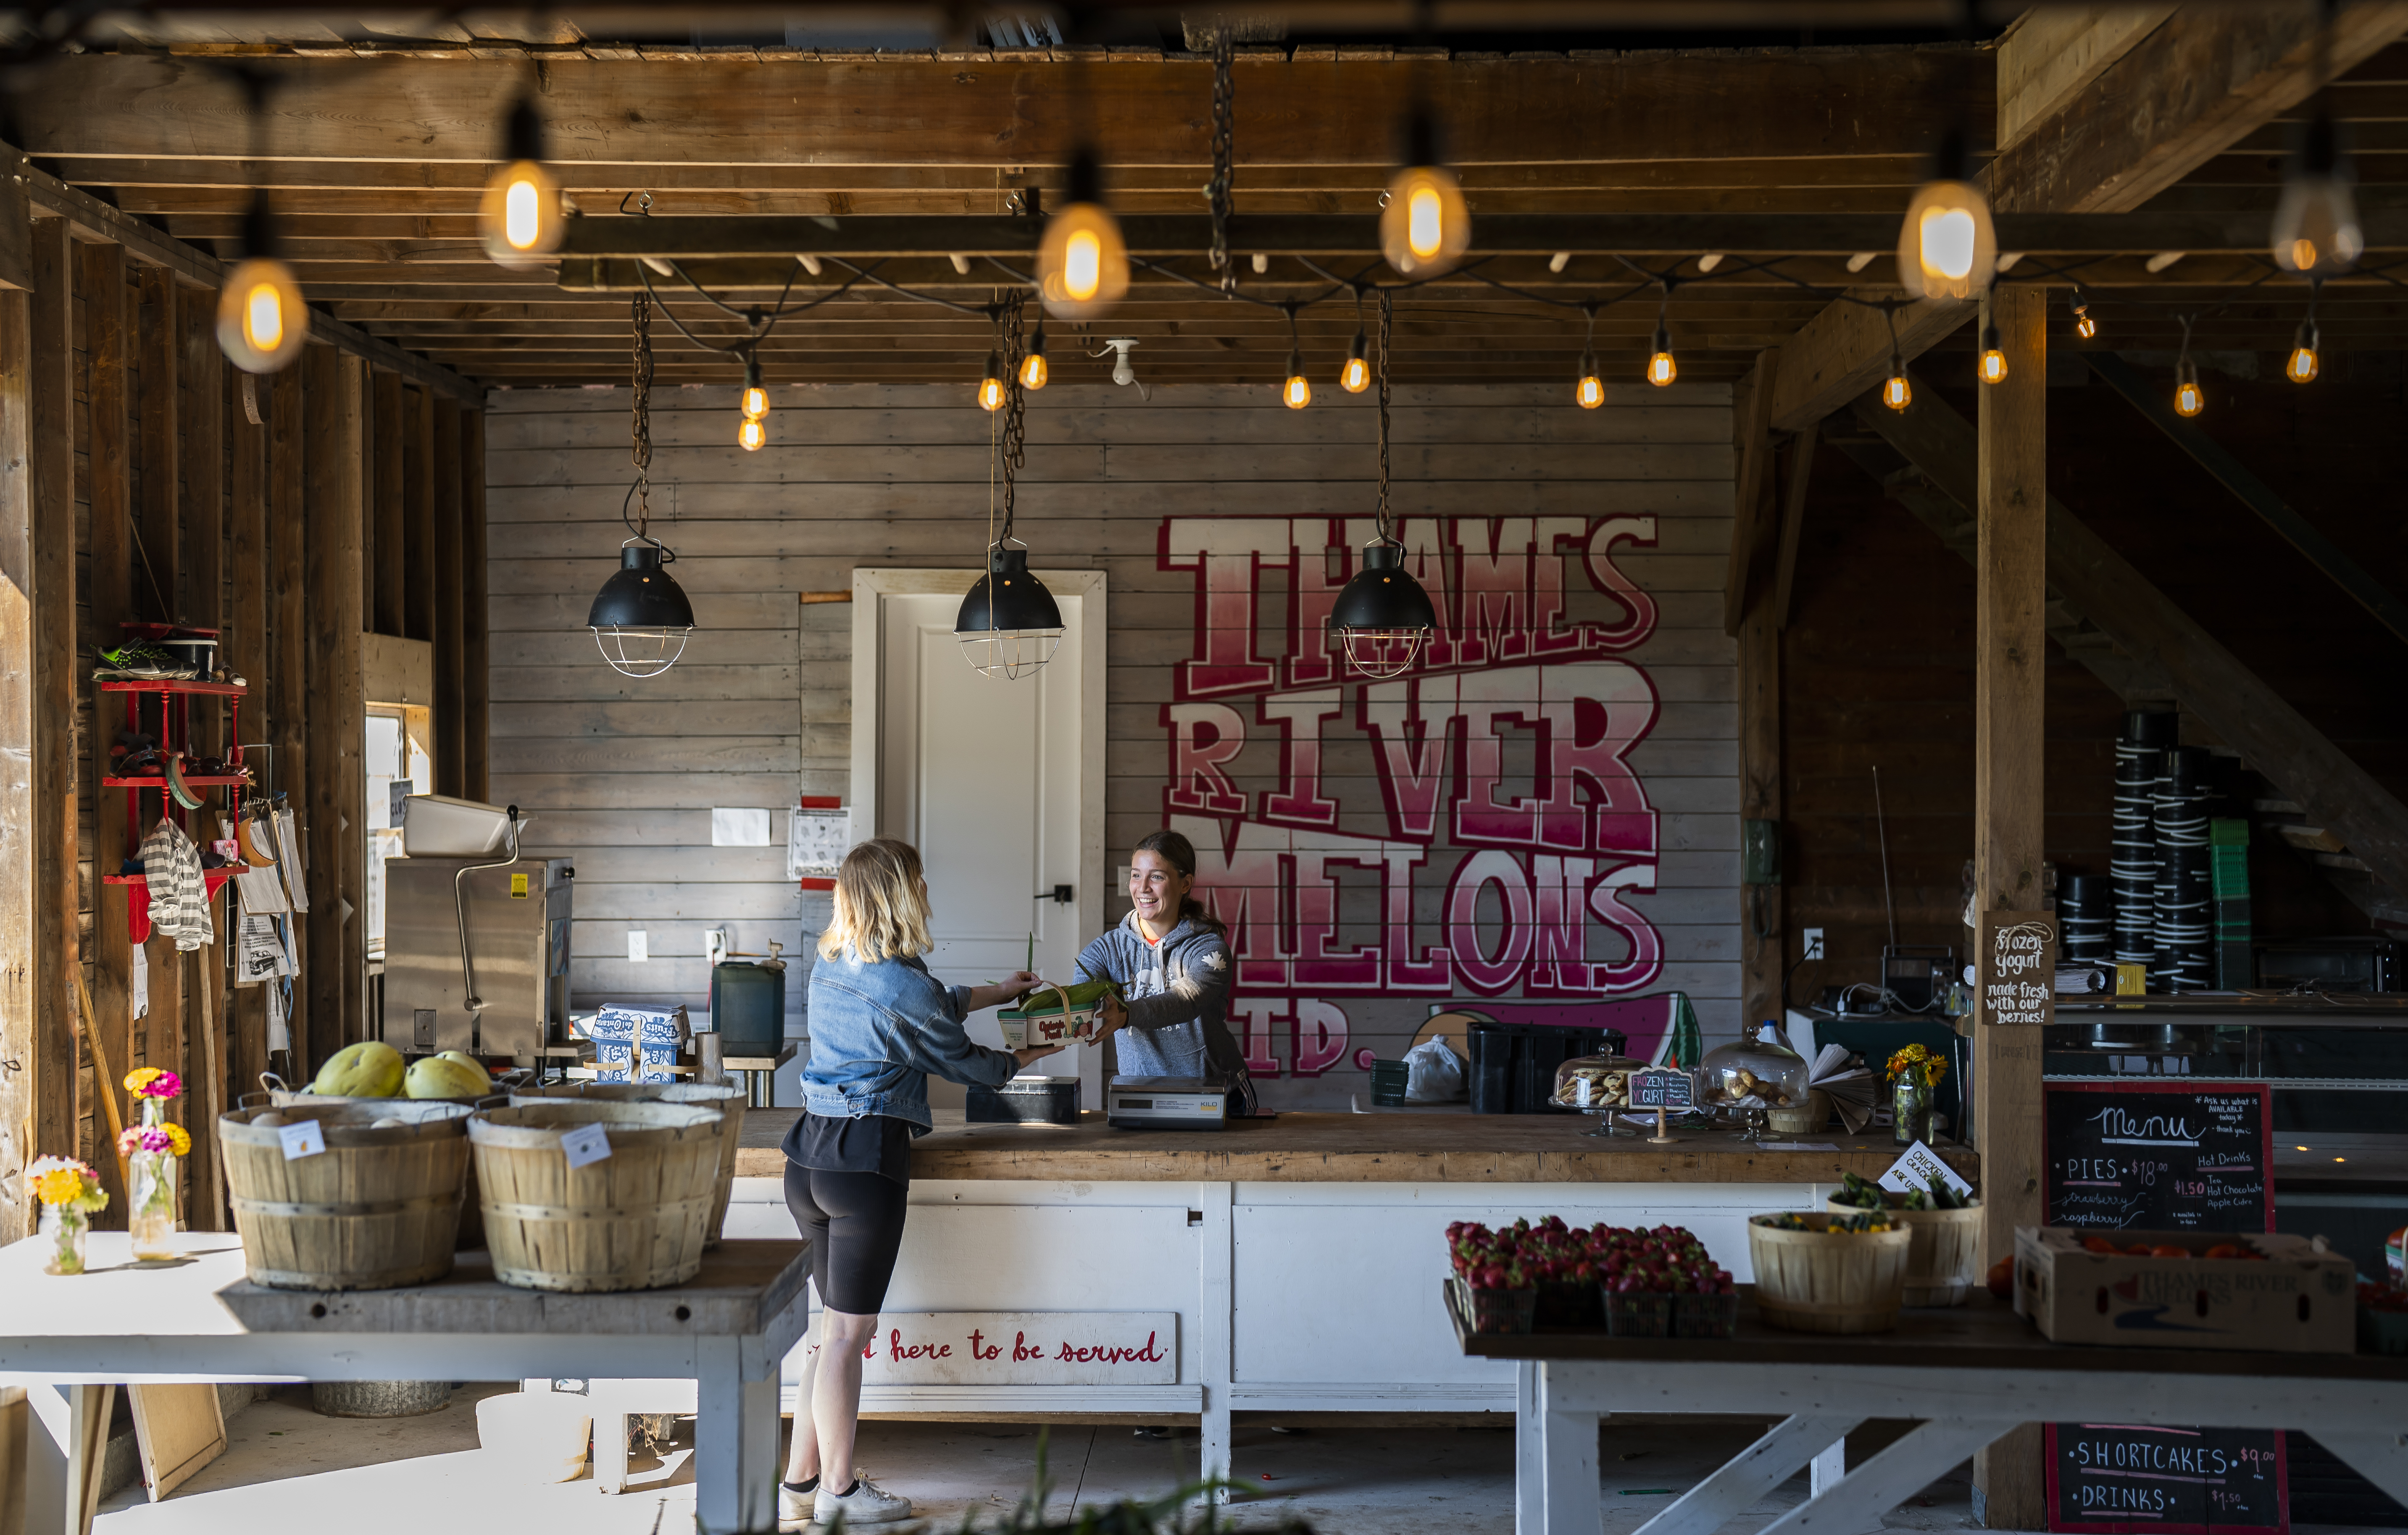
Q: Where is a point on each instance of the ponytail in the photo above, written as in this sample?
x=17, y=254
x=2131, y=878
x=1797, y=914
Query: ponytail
x=1180, y=854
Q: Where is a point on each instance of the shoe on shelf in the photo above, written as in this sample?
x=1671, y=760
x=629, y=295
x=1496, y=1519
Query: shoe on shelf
x=865, y=1504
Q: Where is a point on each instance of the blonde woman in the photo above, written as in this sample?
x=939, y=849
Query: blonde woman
x=881, y=1026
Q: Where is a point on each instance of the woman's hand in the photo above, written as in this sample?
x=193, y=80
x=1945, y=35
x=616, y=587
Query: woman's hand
x=1114, y=1015
x=1020, y=983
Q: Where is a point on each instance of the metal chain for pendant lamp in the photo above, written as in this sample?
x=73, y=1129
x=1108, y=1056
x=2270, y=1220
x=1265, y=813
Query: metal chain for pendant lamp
x=1009, y=625
x=1383, y=617
x=640, y=618
x=1223, y=146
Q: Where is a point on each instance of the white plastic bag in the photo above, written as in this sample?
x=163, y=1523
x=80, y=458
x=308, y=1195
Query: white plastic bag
x=1432, y=1073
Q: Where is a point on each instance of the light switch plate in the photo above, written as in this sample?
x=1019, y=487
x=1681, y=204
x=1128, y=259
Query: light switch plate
x=639, y=947
x=1813, y=943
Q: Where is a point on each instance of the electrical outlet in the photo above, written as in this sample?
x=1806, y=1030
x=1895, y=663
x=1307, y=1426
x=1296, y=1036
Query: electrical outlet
x=640, y=947
x=1813, y=943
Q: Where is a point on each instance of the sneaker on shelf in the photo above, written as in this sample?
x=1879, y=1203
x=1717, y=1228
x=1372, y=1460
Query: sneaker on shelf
x=865, y=1504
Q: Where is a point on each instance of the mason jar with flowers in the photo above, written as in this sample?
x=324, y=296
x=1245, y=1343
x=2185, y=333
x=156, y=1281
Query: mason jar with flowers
x=150, y=1148
x=1914, y=1072
x=69, y=1193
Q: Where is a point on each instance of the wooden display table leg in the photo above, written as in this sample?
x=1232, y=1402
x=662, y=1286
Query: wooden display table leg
x=1567, y=1451
x=1731, y=1490
x=736, y=1437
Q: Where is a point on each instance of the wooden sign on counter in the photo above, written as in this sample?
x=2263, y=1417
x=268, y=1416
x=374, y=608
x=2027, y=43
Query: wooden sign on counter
x=2117, y=1479
x=2015, y=967
x=1024, y=1348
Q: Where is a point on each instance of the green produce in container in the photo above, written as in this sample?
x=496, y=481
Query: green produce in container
x=1082, y=995
x=366, y=1069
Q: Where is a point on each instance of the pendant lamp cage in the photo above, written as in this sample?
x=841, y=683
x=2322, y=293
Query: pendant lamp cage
x=1009, y=625
x=641, y=618
x=1384, y=618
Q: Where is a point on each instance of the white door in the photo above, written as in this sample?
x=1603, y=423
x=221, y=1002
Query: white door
x=987, y=779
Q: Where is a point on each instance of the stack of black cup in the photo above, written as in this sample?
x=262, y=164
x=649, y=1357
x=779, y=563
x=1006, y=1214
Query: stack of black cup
x=2185, y=896
x=2086, y=915
x=2140, y=763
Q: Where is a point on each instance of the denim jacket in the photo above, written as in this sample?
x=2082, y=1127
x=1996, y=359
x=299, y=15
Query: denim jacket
x=878, y=1033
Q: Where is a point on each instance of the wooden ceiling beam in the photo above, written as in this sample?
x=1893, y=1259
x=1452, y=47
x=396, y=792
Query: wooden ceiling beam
x=928, y=112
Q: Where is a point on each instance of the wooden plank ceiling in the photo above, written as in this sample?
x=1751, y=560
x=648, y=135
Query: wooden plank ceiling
x=374, y=155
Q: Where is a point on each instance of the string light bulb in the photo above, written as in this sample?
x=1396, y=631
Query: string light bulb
x=2188, y=401
x=1297, y=392
x=520, y=215
x=2084, y=326
x=1896, y=391
x=1424, y=225
x=2302, y=368
x=752, y=433
x=1033, y=371
x=262, y=320
x=1994, y=355
x=1946, y=248
x=755, y=403
x=1590, y=389
x=1082, y=266
x=2315, y=220
x=1661, y=369
x=991, y=389
x=1356, y=377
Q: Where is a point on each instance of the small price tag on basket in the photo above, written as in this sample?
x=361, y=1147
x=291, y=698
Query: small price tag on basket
x=585, y=1144
x=305, y=1138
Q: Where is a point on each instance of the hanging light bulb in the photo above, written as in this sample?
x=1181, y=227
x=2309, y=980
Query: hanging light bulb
x=2084, y=326
x=1082, y=266
x=1946, y=248
x=2188, y=401
x=752, y=433
x=991, y=389
x=1424, y=226
x=1033, y=372
x=2302, y=368
x=1590, y=389
x=1994, y=356
x=1896, y=391
x=2316, y=219
x=262, y=320
x=757, y=398
x=1297, y=392
x=1356, y=377
x=519, y=216
x=1661, y=370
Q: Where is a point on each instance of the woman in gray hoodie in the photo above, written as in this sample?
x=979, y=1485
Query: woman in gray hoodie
x=1172, y=962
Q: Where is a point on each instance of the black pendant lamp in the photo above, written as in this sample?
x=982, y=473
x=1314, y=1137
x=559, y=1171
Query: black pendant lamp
x=1383, y=617
x=641, y=619
x=1009, y=625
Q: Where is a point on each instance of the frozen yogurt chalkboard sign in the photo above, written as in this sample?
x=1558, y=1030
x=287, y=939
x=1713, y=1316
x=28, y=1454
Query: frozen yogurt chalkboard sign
x=2017, y=968
x=2115, y=1478
x=2159, y=1156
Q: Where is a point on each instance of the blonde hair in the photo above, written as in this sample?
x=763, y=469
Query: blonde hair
x=881, y=913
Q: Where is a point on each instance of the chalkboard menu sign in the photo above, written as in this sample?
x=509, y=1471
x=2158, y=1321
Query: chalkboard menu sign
x=2159, y=1156
x=2115, y=1478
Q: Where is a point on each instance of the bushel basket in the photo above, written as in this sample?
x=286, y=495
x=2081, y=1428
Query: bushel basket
x=631, y=1221
x=378, y=1208
x=1820, y=1281
x=726, y=1098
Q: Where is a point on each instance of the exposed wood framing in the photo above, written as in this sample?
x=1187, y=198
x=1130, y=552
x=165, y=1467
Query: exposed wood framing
x=159, y=546
x=418, y=514
x=1793, y=521
x=19, y=838
x=2052, y=53
x=476, y=647
x=2253, y=493
x=110, y=347
x=286, y=769
x=1748, y=613
x=203, y=370
x=1751, y=403
x=246, y=650
x=336, y=391
x=1846, y=350
x=450, y=662
x=386, y=573
x=2244, y=711
x=58, y=948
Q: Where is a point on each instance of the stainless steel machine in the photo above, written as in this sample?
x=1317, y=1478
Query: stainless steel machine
x=504, y=990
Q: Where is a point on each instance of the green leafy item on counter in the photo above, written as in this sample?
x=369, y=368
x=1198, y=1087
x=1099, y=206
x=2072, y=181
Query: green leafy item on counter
x=1047, y=999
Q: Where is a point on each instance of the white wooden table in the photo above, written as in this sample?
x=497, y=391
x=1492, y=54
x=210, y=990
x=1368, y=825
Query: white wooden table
x=1966, y=1375
x=202, y=1320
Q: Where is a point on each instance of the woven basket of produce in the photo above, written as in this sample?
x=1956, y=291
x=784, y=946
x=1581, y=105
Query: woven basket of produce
x=726, y=1098
x=1945, y=1258
x=1829, y=1273
x=378, y=1207
x=560, y=1217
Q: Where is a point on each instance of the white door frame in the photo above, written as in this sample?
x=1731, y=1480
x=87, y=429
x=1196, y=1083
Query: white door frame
x=870, y=589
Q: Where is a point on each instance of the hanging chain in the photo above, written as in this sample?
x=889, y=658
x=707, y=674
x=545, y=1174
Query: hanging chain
x=1387, y=316
x=1223, y=133
x=1014, y=451
x=639, y=424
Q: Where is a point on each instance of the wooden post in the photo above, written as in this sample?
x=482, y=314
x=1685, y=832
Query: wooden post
x=388, y=561
x=159, y=554
x=245, y=654
x=2010, y=657
x=58, y=1087
x=288, y=666
x=108, y=343
x=450, y=604
x=476, y=651
x=418, y=512
x=20, y=898
x=335, y=406
x=202, y=410
x=1748, y=597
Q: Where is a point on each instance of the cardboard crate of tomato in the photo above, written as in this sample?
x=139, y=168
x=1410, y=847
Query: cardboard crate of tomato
x=2185, y=1289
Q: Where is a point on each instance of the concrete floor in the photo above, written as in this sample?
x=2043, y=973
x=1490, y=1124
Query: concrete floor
x=287, y=1467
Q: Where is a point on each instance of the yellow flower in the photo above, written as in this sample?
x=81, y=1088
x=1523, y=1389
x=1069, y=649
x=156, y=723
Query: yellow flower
x=58, y=1187
x=141, y=1077
x=177, y=1140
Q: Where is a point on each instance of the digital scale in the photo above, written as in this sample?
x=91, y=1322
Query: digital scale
x=1166, y=1103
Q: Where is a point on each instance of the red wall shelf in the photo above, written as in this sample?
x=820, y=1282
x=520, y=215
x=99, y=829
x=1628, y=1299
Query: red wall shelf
x=149, y=684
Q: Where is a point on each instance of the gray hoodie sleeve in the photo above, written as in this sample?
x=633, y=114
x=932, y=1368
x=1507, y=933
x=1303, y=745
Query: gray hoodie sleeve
x=1197, y=986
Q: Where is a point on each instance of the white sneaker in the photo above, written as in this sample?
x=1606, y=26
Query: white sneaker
x=865, y=1504
x=794, y=1508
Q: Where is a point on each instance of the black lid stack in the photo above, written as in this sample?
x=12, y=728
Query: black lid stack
x=2186, y=892
x=2140, y=766
x=2085, y=910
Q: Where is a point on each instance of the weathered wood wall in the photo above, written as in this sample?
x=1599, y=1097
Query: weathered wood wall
x=622, y=774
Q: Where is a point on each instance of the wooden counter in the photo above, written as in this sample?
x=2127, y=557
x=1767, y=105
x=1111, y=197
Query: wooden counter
x=1406, y=1146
